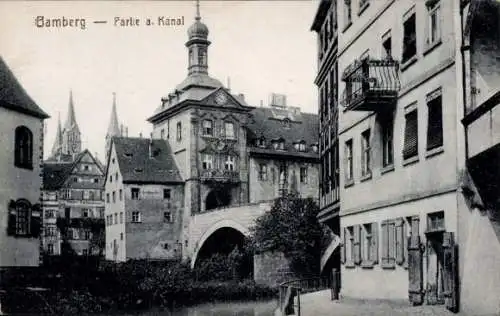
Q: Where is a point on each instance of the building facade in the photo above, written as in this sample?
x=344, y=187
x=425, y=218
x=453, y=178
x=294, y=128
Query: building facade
x=216, y=152
x=326, y=26
x=73, y=201
x=21, y=159
x=406, y=98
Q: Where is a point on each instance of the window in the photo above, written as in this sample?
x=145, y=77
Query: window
x=387, y=45
x=434, y=22
x=207, y=161
x=363, y=4
x=96, y=180
x=303, y=175
x=87, y=235
x=208, y=129
x=352, y=245
x=167, y=194
x=116, y=218
x=369, y=244
x=263, y=172
x=279, y=144
x=387, y=140
x=301, y=146
x=136, y=217
x=121, y=194
x=162, y=134
x=349, y=160
x=435, y=120
x=114, y=197
x=365, y=153
x=167, y=217
x=121, y=236
x=388, y=244
x=23, y=152
x=202, y=57
x=179, y=131
x=111, y=178
x=101, y=212
x=229, y=163
x=75, y=179
x=121, y=217
x=135, y=193
x=287, y=123
x=347, y=13
x=85, y=212
x=85, y=168
x=410, y=148
x=261, y=142
x=85, y=252
x=410, y=38
x=116, y=176
x=107, y=197
x=50, y=249
x=229, y=130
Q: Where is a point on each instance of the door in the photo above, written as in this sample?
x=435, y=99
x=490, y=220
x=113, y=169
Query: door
x=415, y=265
x=450, y=251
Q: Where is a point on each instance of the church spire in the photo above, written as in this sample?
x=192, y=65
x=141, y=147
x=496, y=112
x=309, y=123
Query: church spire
x=57, y=147
x=71, y=120
x=113, y=127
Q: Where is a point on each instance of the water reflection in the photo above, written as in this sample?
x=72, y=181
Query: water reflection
x=263, y=308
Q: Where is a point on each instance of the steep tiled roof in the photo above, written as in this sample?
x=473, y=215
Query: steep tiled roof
x=269, y=123
x=14, y=97
x=136, y=165
x=54, y=174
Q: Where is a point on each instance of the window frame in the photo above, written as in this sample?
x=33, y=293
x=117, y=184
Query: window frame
x=347, y=14
x=207, y=130
x=207, y=161
x=135, y=193
x=136, y=217
x=303, y=174
x=409, y=154
x=366, y=153
x=179, y=131
x=434, y=101
x=233, y=129
x=263, y=172
x=410, y=41
x=230, y=163
x=433, y=8
x=349, y=161
x=387, y=134
x=23, y=148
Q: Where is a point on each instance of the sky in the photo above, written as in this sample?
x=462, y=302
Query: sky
x=262, y=46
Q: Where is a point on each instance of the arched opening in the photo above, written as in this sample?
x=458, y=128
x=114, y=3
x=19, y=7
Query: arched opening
x=224, y=256
x=217, y=198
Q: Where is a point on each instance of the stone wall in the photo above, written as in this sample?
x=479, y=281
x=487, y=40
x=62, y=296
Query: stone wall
x=272, y=268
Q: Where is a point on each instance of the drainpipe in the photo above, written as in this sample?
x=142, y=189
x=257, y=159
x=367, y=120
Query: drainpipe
x=464, y=48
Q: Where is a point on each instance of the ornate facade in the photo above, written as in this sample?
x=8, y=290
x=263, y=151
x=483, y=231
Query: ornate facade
x=216, y=152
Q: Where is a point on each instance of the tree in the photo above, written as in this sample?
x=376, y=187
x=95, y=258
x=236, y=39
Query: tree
x=291, y=227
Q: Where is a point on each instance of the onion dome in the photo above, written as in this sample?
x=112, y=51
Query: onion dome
x=198, y=29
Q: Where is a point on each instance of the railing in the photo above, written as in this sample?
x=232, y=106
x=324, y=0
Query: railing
x=220, y=175
x=370, y=82
x=291, y=289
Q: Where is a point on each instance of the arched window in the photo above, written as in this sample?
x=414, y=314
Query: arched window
x=23, y=150
x=202, y=57
x=179, y=131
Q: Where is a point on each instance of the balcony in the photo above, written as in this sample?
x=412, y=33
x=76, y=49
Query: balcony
x=217, y=175
x=371, y=85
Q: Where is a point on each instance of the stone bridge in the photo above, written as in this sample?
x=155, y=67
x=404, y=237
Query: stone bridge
x=238, y=218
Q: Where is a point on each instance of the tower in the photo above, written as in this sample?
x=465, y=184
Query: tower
x=113, y=127
x=57, y=147
x=197, y=45
x=71, y=137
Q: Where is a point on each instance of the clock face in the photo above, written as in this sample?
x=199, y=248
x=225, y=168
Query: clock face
x=221, y=98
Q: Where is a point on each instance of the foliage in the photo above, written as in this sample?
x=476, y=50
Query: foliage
x=291, y=227
x=220, y=267
x=139, y=284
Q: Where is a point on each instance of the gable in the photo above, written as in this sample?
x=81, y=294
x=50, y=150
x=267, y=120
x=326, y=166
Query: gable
x=221, y=98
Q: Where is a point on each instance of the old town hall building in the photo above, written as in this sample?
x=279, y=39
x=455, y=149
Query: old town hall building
x=209, y=149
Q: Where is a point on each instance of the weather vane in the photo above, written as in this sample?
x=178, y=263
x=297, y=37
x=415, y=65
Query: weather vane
x=198, y=17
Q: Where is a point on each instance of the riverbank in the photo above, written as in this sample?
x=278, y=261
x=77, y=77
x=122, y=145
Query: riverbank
x=108, y=288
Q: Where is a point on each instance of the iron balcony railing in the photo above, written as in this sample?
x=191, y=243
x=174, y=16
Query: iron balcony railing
x=219, y=175
x=370, y=84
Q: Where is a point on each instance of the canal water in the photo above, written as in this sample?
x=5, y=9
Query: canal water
x=258, y=308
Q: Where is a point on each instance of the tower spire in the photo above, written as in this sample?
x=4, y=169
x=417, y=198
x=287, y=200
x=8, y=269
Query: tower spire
x=113, y=127
x=198, y=16
x=57, y=147
x=71, y=120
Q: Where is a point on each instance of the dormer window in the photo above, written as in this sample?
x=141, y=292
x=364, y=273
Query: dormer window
x=315, y=148
x=287, y=123
x=138, y=170
x=208, y=128
x=128, y=155
x=261, y=142
x=300, y=146
x=279, y=144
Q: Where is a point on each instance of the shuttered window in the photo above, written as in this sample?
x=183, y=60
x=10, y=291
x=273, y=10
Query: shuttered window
x=357, y=244
x=410, y=148
x=400, y=241
x=369, y=244
x=435, y=121
x=388, y=244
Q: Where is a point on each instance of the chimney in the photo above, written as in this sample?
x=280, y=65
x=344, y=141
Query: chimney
x=121, y=130
x=242, y=96
x=261, y=103
x=126, y=131
x=150, y=145
x=228, y=83
x=140, y=135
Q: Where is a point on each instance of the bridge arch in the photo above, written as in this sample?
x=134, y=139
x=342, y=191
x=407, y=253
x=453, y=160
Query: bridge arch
x=222, y=224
